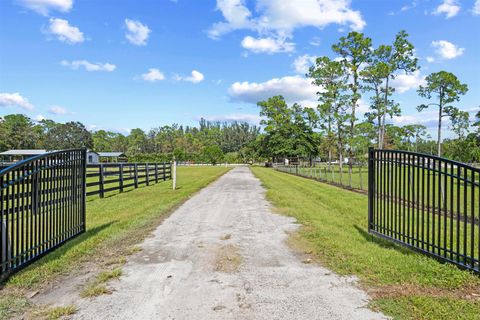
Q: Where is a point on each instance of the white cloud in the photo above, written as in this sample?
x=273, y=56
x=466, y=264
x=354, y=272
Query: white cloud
x=195, y=77
x=15, y=99
x=476, y=8
x=58, y=110
x=315, y=41
x=404, y=82
x=94, y=127
x=236, y=14
x=267, y=45
x=137, y=33
x=292, y=88
x=430, y=59
x=448, y=7
x=89, y=66
x=235, y=117
x=303, y=63
x=153, y=75
x=447, y=50
x=40, y=117
x=277, y=19
x=428, y=118
x=43, y=7
x=64, y=31
x=288, y=15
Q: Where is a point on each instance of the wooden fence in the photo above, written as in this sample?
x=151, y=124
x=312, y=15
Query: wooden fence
x=110, y=177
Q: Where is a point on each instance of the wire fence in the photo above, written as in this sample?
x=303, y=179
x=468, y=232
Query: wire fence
x=332, y=173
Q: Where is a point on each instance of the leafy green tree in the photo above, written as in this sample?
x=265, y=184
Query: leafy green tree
x=16, y=132
x=373, y=77
x=446, y=88
x=67, y=136
x=288, y=130
x=476, y=122
x=332, y=77
x=137, y=142
x=213, y=154
x=355, y=50
x=364, y=135
x=388, y=61
x=416, y=131
x=460, y=123
x=102, y=141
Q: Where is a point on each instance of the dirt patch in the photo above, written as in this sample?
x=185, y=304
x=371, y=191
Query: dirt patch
x=406, y=290
x=226, y=236
x=302, y=248
x=227, y=259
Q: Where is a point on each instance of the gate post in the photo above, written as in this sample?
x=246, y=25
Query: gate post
x=371, y=186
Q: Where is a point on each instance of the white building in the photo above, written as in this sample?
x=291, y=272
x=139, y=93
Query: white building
x=22, y=154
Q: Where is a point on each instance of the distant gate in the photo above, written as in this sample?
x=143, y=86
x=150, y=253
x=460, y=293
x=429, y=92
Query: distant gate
x=42, y=205
x=429, y=203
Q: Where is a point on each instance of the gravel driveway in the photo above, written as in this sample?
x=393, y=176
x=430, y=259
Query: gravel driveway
x=222, y=255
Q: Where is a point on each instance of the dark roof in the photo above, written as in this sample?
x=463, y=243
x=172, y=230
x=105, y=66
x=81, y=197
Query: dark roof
x=29, y=152
x=111, y=154
x=23, y=152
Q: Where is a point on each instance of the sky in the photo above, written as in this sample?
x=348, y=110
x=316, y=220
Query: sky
x=124, y=64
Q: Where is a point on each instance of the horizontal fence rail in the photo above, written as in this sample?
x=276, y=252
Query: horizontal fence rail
x=427, y=203
x=331, y=173
x=42, y=205
x=109, y=177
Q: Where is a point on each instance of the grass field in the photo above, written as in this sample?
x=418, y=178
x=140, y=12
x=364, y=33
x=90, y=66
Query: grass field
x=114, y=225
x=402, y=284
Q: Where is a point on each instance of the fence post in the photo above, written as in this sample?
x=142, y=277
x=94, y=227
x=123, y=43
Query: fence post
x=164, y=173
x=121, y=177
x=371, y=186
x=361, y=177
x=101, y=181
x=135, y=175
x=296, y=169
x=174, y=178
x=84, y=189
x=147, y=173
x=156, y=172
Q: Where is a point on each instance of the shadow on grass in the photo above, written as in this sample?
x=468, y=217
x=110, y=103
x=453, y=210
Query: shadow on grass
x=383, y=243
x=56, y=253
x=110, y=194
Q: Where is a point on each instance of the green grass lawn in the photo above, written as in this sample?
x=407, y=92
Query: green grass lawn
x=114, y=225
x=402, y=283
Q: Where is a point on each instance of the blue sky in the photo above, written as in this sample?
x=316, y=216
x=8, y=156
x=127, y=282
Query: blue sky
x=120, y=64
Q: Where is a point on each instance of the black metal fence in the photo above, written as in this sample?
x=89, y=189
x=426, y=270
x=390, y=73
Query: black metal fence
x=42, y=205
x=109, y=177
x=428, y=203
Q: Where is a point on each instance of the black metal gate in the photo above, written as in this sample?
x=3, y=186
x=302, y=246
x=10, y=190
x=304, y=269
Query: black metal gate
x=42, y=205
x=429, y=203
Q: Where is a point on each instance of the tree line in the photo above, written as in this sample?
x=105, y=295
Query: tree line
x=209, y=142
x=333, y=130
